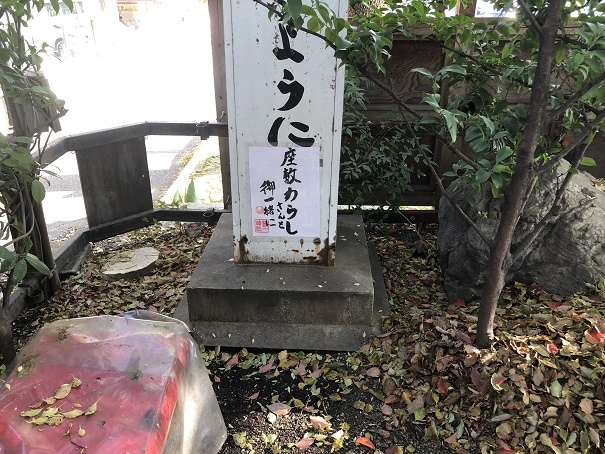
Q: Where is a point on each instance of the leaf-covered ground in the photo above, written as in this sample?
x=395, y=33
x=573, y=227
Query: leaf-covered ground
x=419, y=387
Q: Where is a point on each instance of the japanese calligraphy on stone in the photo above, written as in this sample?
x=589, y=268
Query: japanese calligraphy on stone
x=293, y=89
x=285, y=195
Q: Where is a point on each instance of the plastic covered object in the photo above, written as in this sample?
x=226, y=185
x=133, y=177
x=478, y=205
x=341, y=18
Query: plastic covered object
x=111, y=384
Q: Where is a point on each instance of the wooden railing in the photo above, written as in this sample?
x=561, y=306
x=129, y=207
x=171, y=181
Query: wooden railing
x=113, y=166
x=116, y=188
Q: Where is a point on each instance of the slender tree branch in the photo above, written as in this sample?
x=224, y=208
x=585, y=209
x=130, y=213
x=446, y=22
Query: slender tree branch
x=42, y=150
x=323, y=38
x=280, y=15
x=532, y=19
x=553, y=213
x=270, y=8
x=403, y=106
x=450, y=199
x=576, y=96
x=21, y=206
x=400, y=104
x=439, y=183
x=566, y=39
x=488, y=68
x=590, y=127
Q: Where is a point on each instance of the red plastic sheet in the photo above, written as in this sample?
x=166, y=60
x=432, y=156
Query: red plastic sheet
x=130, y=375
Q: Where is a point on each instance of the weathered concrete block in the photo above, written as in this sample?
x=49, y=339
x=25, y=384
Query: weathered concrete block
x=286, y=306
x=135, y=264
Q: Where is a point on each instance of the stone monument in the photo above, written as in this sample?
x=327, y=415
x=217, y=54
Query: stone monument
x=272, y=274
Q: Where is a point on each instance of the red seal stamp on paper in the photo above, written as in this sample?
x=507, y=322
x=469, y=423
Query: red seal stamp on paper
x=261, y=226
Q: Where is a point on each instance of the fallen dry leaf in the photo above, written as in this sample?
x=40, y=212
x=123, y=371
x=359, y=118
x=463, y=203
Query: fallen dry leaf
x=338, y=434
x=266, y=368
x=304, y=443
x=63, y=391
x=452, y=438
x=442, y=386
x=373, y=372
x=365, y=442
x=318, y=422
x=279, y=409
x=391, y=399
x=386, y=410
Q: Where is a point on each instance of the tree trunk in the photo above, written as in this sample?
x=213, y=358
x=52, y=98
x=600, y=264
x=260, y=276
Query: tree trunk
x=500, y=257
x=522, y=180
x=7, y=347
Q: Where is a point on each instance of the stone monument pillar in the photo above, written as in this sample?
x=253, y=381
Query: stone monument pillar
x=284, y=96
x=258, y=283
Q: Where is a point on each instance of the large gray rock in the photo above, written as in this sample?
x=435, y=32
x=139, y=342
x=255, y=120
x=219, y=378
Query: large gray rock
x=567, y=255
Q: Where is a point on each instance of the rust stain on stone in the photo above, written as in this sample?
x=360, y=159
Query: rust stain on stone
x=243, y=252
x=323, y=255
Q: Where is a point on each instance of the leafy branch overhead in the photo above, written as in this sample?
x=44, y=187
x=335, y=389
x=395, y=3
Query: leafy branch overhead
x=491, y=77
x=513, y=98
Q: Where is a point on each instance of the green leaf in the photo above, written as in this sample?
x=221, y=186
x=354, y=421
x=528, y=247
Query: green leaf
x=314, y=24
x=506, y=50
x=473, y=132
x=24, y=159
x=556, y=388
x=19, y=271
x=495, y=191
x=341, y=43
x=482, y=176
x=452, y=124
x=191, y=196
x=339, y=24
x=588, y=162
x=38, y=191
x=39, y=89
x=420, y=414
x=432, y=99
x=5, y=254
x=503, y=153
x=490, y=124
x=423, y=71
x=69, y=4
x=323, y=11
x=430, y=120
x=511, y=125
x=502, y=168
x=295, y=8
x=453, y=69
x=37, y=264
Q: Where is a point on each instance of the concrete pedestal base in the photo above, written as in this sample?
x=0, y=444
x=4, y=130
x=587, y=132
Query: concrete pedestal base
x=282, y=306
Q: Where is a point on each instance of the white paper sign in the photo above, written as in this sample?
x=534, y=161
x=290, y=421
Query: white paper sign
x=285, y=191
